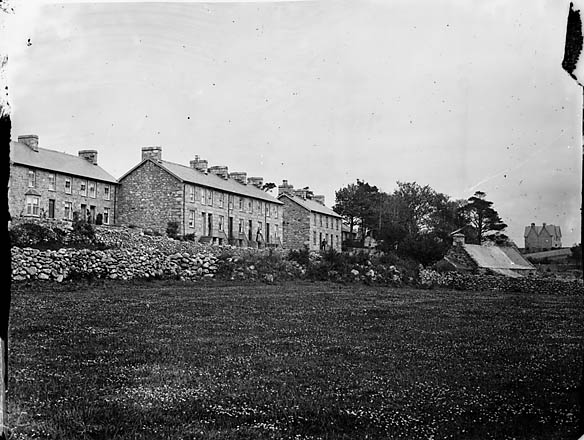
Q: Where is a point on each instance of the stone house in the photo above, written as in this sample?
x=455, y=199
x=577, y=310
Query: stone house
x=50, y=184
x=307, y=222
x=501, y=260
x=207, y=203
x=544, y=237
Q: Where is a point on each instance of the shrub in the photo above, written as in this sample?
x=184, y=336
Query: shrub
x=30, y=234
x=83, y=232
x=301, y=256
x=172, y=229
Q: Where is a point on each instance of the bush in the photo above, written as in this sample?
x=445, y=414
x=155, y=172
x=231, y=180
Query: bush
x=301, y=256
x=83, y=232
x=172, y=229
x=30, y=234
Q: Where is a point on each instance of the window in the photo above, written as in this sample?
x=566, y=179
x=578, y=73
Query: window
x=276, y=232
x=192, y=218
x=250, y=206
x=221, y=200
x=83, y=188
x=31, y=179
x=92, y=190
x=320, y=218
x=106, y=192
x=69, y=210
x=191, y=193
x=337, y=222
x=67, y=186
x=84, y=212
x=106, y=216
x=209, y=197
x=314, y=237
x=259, y=207
x=276, y=211
x=230, y=201
x=241, y=203
x=202, y=196
x=52, y=181
x=32, y=205
x=221, y=219
x=326, y=220
x=267, y=209
x=315, y=219
x=241, y=226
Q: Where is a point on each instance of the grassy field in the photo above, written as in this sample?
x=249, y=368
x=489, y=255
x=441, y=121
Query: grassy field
x=294, y=361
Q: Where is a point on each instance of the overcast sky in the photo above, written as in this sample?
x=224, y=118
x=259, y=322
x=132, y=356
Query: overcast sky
x=456, y=96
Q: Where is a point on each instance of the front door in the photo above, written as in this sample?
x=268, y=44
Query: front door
x=249, y=230
x=51, y=208
x=230, y=227
x=267, y=232
x=91, y=214
x=210, y=224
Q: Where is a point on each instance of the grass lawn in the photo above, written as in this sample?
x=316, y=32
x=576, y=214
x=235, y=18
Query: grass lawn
x=294, y=361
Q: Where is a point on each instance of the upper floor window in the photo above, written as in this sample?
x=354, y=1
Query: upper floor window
x=241, y=203
x=202, y=195
x=250, y=206
x=327, y=221
x=191, y=193
x=92, y=190
x=320, y=218
x=221, y=200
x=67, y=186
x=106, y=192
x=230, y=201
x=52, y=181
x=315, y=215
x=209, y=197
x=267, y=209
x=83, y=188
x=31, y=178
x=276, y=211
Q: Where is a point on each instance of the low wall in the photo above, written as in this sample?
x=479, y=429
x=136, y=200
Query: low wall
x=459, y=281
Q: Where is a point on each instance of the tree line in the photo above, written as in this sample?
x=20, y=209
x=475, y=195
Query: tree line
x=416, y=221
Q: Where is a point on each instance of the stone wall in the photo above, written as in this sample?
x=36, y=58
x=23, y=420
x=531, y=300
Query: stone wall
x=528, y=285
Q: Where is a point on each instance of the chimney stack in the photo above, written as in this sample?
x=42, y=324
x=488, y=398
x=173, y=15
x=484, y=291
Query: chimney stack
x=219, y=170
x=285, y=188
x=255, y=181
x=199, y=164
x=304, y=193
x=30, y=140
x=154, y=153
x=89, y=155
x=240, y=177
x=319, y=199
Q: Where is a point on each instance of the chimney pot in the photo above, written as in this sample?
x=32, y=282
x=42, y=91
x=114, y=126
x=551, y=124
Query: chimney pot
x=458, y=239
x=255, y=181
x=220, y=170
x=239, y=176
x=30, y=140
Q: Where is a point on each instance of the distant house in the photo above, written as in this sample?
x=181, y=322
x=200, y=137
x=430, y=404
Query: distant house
x=307, y=222
x=50, y=184
x=346, y=234
x=502, y=260
x=544, y=237
x=209, y=203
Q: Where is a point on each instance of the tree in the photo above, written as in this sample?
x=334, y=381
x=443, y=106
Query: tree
x=480, y=215
x=356, y=204
x=268, y=186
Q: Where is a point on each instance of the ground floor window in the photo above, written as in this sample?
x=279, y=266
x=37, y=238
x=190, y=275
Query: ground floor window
x=32, y=205
x=191, y=219
x=106, y=216
x=68, y=211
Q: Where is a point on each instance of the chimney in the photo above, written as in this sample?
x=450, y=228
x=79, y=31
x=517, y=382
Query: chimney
x=544, y=223
x=30, y=140
x=458, y=239
x=199, y=164
x=533, y=224
x=255, y=181
x=240, y=177
x=154, y=153
x=219, y=170
x=285, y=188
x=89, y=155
x=304, y=193
x=319, y=199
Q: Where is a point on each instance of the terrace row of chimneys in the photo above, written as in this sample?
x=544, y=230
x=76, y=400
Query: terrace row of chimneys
x=304, y=193
x=32, y=142
x=155, y=153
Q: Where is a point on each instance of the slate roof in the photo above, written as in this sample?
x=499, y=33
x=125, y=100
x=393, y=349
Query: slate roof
x=553, y=230
x=311, y=205
x=497, y=257
x=57, y=161
x=210, y=180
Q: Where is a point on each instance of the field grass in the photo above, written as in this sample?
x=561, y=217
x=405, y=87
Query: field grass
x=294, y=361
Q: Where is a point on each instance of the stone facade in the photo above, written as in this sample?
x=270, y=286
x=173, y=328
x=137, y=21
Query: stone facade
x=156, y=192
x=41, y=189
x=307, y=221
